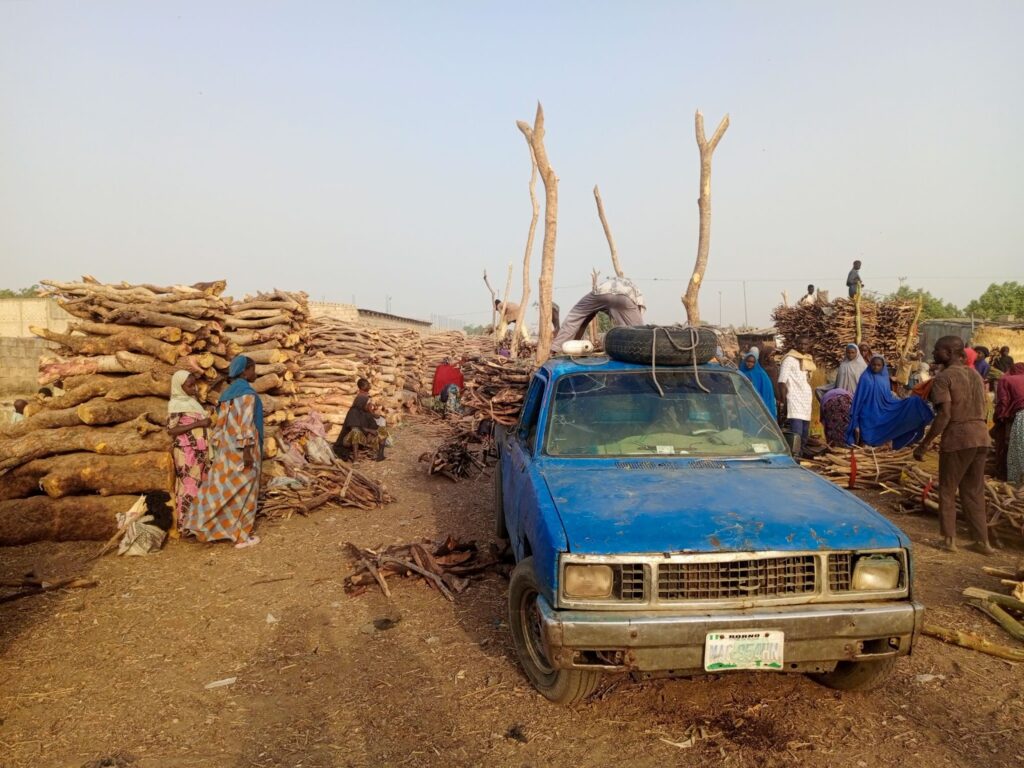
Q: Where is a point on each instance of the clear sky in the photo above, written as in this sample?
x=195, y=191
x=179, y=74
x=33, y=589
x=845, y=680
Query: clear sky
x=369, y=150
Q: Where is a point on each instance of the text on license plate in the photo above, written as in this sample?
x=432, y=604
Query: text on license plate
x=754, y=649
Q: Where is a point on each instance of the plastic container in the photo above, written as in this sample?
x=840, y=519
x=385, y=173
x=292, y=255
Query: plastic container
x=577, y=347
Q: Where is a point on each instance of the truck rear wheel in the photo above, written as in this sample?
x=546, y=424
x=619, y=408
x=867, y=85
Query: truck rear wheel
x=857, y=675
x=562, y=686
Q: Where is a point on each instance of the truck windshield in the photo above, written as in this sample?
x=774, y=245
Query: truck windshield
x=623, y=414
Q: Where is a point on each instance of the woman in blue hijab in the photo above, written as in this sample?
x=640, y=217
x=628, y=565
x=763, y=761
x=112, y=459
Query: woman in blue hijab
x=751, y=367
x=226, y=505
x=878, y=416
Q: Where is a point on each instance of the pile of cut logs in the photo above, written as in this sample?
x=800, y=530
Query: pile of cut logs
x=437, y=347
x=272, y=329
x=884, y=326
x=462, y=455
x=77, y=458
x=863, y=467
x=496, y=387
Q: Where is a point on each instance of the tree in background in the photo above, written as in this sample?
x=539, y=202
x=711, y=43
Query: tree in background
x=932, y=307
x=476, y=330
x=998, y=300
x=22, y=293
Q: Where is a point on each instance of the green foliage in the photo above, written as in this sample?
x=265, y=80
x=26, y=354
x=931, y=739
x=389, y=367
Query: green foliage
x=932, y=307
x=20, y=293
x=476, y=330
x=998, y=300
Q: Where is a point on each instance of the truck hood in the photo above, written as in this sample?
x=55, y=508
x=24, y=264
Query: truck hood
x=736, y=506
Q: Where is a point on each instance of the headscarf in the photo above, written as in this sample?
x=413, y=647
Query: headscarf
x=181, y=401
x=239, y=387
x=881, y=416
x=759, y=378
x=850, y=371
x=1010, y=393
x=971, y=355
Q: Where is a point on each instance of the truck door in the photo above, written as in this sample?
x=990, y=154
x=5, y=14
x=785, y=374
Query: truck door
x=519, y=449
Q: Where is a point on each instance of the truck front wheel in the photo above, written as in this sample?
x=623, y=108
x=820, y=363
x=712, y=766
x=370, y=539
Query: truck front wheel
x=857, y=675
x=562, y=686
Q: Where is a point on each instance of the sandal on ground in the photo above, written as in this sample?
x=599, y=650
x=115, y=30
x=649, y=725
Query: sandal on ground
x=252, y=541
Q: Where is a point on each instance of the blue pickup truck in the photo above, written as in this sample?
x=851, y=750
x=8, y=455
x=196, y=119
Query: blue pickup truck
x=660, y=525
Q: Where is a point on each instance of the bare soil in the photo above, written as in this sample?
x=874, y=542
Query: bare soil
x=116, y=675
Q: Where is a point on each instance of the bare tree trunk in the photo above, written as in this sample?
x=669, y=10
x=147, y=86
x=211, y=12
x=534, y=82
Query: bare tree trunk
x=494, y=312
x=535, y=136
x=608, y=233
x=502, y=322
x=535, y=206
x=707, y=149
x=594, y=275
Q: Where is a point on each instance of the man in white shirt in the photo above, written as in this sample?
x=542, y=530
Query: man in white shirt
x=795, y=387
x=19, y=411
x=808, y=300
x=618, y=297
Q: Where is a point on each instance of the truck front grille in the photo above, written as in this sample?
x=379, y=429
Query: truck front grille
x=738, y=579
x=629, y=579
x=840, y=571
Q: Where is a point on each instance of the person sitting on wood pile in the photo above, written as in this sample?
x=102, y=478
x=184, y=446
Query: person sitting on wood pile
x=618, y=297
x=809, y=299
x=448, y=383
x=958, y=395
x=187, y=423
x=879, y=417
x=508, y=314
x=19, y=411
x=362, y=427
x=226, y=505
x=853, y=282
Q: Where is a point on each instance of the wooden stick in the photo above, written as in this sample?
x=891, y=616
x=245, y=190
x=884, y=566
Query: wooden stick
x=76, y=582
x=1000, y=617
x=422, y=572
x=608, y=233
x=973, y=642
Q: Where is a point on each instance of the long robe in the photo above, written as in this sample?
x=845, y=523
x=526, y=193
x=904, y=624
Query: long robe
x=226, y=505
x=849, y=373
x=882, y=417
x=762, y=384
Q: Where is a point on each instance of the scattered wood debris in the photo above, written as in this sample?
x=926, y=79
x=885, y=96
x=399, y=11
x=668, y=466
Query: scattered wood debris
x=445, y=566
x=32, y=584
x=462, y=455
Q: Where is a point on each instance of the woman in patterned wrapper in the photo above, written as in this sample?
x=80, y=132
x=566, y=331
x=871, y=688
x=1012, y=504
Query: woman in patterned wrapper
x=226, y=506
x=187, y=423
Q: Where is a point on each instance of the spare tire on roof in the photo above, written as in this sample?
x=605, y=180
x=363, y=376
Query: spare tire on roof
x=662, y=344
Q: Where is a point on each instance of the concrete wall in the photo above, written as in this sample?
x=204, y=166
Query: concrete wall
x=19, y=365
x=377, y=321
x=16, y=315
x=346, y=312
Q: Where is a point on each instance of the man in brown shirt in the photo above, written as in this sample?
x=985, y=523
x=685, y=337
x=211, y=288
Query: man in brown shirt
x=958, y=395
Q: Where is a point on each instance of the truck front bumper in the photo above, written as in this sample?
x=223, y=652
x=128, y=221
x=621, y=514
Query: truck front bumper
x=816, y=636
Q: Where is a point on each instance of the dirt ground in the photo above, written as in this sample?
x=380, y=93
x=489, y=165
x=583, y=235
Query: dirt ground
x=116, y=675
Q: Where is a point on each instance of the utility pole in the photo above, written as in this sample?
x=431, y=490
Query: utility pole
x=719, y=309
x=746, y=324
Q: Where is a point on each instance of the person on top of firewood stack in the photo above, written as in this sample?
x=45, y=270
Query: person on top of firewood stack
x=853, y=282
x=509, y=315
x=618, y=297
x=18, y=414
x=363, y=427
x=808, y=300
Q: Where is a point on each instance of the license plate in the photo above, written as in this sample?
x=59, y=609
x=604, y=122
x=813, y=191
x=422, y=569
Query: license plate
x=755, y=649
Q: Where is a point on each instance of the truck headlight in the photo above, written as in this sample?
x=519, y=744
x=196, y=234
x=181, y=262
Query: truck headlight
x=588, y=581
x=876, y=573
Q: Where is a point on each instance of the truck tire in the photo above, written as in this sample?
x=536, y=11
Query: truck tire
x=500, y=529
x=857, y=675
x=561, y=686
x=672, y=345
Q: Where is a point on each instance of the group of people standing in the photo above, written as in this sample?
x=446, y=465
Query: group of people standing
x=217, y=458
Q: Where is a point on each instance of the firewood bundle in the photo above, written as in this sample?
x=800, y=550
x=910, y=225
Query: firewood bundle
x=272, y=329
x=461, y=455
x=1004, y=502
x=884, y=326
x=446, y=566
x=483, y=346
x=436, y=347
x=496, y=387
x=862, y=467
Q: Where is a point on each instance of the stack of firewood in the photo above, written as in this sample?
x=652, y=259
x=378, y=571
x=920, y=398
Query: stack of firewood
x=1004, y=502
x=884, y=326
x=74, y=461
x=437, y=347
x=862, y=467
x=496, y=387
x=272, y=329
x=463, y=454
